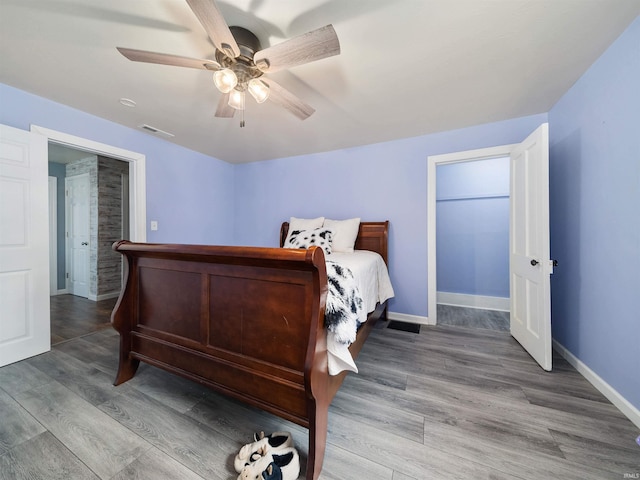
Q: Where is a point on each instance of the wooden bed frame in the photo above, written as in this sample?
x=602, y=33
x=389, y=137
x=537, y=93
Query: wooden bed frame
x=245, y=321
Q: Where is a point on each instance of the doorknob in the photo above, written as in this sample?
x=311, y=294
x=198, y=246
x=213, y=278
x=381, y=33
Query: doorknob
x=534, y=262
x=85, y=243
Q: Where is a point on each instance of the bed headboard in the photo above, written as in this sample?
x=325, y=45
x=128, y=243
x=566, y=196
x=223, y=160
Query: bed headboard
x=372, y=236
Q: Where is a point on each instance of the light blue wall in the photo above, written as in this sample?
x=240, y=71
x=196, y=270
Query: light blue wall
x=595, y=219
x=472, y=234
x=385, y=181
x=188, y=193
x=58, y=170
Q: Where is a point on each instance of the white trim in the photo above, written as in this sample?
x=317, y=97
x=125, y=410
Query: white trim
x=405, y=317
x=481, y=302
x=64, y=291
x=627, y=409
x=432, y=162
x=137, y=174
x=104, y=296
x=53, y=235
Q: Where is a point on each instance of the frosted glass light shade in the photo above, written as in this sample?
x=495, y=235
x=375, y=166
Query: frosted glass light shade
x=236, y=99
x=258, y=90
x=225, y=80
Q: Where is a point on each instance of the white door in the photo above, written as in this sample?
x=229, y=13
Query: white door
x=77, y=208
x=530, y=265
x=24, y=246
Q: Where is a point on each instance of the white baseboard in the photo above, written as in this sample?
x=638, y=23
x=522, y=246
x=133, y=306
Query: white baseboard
x=631, y=412
x=405, y=317
x=59, y=292
x=104, y=296
x=474, y=301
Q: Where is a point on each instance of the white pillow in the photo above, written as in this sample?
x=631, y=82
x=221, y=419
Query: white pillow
x=319, y=237
x=303, y=224
x=344, y=233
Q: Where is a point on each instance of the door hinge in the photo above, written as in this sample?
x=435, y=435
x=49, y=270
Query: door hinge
x=67, y=275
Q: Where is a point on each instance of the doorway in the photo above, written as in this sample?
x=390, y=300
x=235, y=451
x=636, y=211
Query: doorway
x=530, y=267
x=472, y=239
x=93, y=213
x=434, y=162
x=132, y=186
x=135, y=178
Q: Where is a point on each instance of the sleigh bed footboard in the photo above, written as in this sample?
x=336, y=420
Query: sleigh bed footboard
x=245, y=321
x=215, y=315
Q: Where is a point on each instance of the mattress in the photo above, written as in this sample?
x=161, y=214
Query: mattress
x=373, y=284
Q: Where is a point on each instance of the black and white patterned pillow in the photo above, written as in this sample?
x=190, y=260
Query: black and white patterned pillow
x=319, y=237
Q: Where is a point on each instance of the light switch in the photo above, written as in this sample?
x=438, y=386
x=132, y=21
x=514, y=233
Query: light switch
x=154, y=225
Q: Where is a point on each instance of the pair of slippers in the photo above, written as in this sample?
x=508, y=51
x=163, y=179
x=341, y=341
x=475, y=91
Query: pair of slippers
x=270, y=457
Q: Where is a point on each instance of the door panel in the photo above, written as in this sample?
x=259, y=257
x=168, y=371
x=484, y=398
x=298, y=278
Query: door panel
x=78, y=192
x=24, y=245
x=530, y=266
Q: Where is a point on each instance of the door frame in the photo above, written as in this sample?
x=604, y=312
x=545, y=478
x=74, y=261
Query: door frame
x=137, y=174
x=432, y=162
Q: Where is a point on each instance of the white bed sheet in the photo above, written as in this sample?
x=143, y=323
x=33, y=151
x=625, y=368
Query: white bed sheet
x=372, y=278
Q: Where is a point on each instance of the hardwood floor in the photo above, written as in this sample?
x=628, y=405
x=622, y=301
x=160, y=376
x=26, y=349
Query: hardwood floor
x=473, y=317
x=447, y=403
x=73, y=316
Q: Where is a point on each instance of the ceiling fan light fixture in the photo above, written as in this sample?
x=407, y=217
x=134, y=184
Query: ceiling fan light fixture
x=225, y=80
x=240, y=61
x=236, y=99
x=258, y=90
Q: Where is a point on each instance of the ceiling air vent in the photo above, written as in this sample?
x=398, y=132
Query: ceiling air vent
x=155, y=130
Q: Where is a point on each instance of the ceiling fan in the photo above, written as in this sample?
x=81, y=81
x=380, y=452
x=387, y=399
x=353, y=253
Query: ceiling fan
x=240, y=62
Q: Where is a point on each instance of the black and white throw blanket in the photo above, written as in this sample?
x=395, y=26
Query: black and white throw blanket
x=344, y=311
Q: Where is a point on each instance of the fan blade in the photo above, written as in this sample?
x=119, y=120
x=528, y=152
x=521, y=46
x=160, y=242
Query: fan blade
x=224, y=110
x=215, y=25
x=167, y=59
x=283, y=97
x=311, y=46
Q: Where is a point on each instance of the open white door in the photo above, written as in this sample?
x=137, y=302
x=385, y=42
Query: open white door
x=530, y=265
x=24, y=245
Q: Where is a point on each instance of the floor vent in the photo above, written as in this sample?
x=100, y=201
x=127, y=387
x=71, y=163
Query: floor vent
x=155, y=130
x=404, y=326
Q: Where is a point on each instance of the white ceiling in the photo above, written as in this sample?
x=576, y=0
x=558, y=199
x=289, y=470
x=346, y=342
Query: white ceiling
x=407, y=67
